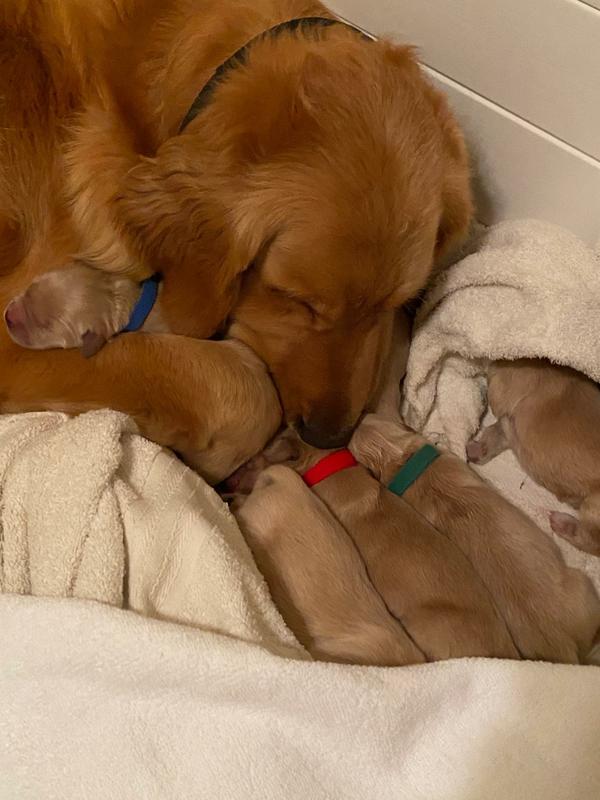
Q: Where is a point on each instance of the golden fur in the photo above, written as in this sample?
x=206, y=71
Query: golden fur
x=316, y=575
x=552, y=611
x=549, y=416
x=425, y=581
x=301, y=207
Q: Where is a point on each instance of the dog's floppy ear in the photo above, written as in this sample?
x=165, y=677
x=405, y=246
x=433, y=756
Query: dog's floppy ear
x=457, y=197
x=179, y=208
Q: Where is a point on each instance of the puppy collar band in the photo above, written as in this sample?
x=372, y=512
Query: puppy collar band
x=328, y=466
x=240, y=57
x=144, y=305
x=413, y=469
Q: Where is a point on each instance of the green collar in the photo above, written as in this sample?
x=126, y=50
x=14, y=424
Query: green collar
x=413, y=469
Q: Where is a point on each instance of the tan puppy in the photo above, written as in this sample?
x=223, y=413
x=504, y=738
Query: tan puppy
x=425, y=581
x=549, y=417
x=316, y=576
x=75, y=307
x=551, y=611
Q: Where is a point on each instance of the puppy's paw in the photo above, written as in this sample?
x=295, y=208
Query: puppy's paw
x=477, y=452
x=563, y=525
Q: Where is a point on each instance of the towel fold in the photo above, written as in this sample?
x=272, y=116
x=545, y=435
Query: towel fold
x=528, y=289
x=91, y=510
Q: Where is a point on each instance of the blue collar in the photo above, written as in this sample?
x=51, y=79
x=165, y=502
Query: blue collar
x=145, y=304
x=413, y=469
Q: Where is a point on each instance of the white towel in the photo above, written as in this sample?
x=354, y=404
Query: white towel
x=91, y=510
x=531, y=289
x=104, y=704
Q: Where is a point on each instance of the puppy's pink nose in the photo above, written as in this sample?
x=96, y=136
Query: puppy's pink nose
x=15, y=318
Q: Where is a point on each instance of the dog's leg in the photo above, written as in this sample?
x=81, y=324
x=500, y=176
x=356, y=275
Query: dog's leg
x=491, y=444
x=166, y=383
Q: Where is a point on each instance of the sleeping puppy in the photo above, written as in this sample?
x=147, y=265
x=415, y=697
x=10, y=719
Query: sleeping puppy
x=83, y=307
x=316, y=576
x=549, y=416
x=76, y=307
x=552, y=611
x=424, y=579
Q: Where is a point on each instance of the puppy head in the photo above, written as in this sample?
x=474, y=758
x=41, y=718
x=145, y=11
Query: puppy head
x=74, y=307
x=380, y=444
x=285, y=449
x=359, y=187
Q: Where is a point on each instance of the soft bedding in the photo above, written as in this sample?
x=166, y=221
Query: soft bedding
x=142, y=656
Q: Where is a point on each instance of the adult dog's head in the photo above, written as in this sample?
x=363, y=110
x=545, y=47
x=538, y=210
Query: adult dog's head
x=341, y=176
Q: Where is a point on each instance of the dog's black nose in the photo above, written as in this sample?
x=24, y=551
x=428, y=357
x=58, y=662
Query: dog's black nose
x=317, y=436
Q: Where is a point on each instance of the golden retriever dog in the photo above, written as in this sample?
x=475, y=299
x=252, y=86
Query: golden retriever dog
x=316, y=576
x=425, y=581
x=306, y=197
x=552, y=611
x=549, y=416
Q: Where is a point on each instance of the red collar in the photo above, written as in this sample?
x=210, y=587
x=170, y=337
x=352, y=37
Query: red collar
x=328, y=466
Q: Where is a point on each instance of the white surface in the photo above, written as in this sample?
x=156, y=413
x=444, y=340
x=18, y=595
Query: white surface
x=89, y=509
x=99, y=703
x=523, y=172
x=539, y=59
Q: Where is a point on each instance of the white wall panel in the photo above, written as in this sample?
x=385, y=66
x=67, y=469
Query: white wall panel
x=534, y=133
x=522, y=171
x=539, y=59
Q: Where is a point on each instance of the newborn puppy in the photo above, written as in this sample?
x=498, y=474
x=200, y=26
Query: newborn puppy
x=552, y=611
x=83, y=307
x=549, y=417
x=74, y=307
x=425, y=581
x=316, y=576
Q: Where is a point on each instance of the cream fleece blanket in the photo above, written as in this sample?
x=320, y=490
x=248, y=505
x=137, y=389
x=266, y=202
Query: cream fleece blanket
x=104, y=704
x=91, y=510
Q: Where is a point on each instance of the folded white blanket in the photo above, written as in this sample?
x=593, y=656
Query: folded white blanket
x=89, y=509
x=104, y=704
x=531, y=289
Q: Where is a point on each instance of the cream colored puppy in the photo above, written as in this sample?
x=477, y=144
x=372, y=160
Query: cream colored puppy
x=77, y=307
x=316, y=576
x=424, y=580
x=549, y=416
x=551, y=611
